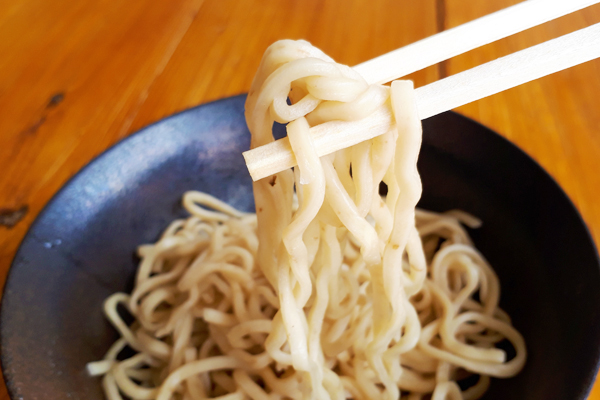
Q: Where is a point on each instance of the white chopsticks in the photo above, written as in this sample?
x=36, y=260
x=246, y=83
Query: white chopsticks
x=466, y=37
x=456, y=90
x=510, y=71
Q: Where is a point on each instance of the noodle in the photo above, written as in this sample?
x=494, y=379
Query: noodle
x=329, y=291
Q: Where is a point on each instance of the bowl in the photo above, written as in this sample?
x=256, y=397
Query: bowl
x=81, y=247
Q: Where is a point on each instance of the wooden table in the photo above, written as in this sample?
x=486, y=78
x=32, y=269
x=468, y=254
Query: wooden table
x=77, y=76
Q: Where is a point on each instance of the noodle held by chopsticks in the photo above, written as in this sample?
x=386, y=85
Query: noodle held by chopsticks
x=330, y=291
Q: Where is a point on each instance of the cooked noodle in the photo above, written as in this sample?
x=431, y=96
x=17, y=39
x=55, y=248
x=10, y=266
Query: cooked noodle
x=329, y=291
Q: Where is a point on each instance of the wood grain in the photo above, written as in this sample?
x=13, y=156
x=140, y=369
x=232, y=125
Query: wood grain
x=77, y=76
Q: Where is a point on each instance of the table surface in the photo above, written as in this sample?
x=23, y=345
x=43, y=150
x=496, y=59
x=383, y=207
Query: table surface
x=77, y=76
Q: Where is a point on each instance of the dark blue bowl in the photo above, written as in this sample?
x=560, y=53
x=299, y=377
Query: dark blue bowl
x=81, y=247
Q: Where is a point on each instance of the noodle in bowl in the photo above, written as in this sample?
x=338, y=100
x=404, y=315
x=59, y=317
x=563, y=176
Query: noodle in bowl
x=331, y=290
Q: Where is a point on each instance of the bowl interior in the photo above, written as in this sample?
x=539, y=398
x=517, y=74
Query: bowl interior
x=81, y=247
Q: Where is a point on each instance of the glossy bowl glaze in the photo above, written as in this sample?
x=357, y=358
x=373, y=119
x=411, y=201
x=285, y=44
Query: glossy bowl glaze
x=81, y=247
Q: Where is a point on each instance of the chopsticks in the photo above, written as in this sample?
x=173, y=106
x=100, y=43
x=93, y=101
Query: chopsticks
x=510, y=71
x=465, y=37
x=446, y=94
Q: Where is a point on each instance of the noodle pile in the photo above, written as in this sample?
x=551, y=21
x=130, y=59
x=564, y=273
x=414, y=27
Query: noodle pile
x=329, y=291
